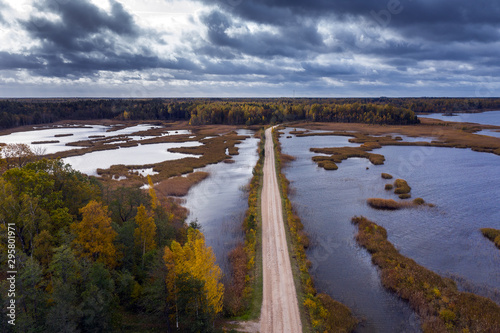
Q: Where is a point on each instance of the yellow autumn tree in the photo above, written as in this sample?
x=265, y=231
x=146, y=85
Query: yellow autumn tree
x=145, y=233
x=152, y=193
x=94, y=235
x=195, y=260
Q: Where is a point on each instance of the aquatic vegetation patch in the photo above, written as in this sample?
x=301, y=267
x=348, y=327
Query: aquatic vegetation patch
x=337, y=155
x=401, y=187
x=493, y=235
x=179, y=186
x=437, y=300
x=386, y=175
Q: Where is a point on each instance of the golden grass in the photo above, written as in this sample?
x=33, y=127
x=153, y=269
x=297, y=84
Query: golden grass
x=445, y=134
x=390, y=204
x=438, y=302
x=179, y=186
x=340, y=154
x=212, y=151
x=418, y=201
x=386, y=175
x=401, y=186
x=493, y=235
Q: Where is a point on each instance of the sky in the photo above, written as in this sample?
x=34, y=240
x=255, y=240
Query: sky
x=249, y=48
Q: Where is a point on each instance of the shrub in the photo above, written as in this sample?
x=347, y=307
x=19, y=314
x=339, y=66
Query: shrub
x=389, y=187
x=386, y=176
x=405, y=196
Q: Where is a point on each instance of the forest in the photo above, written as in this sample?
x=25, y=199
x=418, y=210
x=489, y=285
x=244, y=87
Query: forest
x=91, y=258
x=392, y=111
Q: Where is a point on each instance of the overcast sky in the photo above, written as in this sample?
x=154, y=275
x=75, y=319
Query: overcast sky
x=249, y=48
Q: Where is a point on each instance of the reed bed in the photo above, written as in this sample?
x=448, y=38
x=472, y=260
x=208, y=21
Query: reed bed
x=493, y=235
x=437, y=300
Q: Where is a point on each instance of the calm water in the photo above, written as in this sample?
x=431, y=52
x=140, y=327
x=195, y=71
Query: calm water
x=138, y=155
x=465, y=186
x=219, y=202
x=484, y=118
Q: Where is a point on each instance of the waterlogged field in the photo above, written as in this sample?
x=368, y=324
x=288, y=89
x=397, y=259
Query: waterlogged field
x=463, y=185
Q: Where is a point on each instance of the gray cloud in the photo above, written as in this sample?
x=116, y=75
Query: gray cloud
x=292, y=43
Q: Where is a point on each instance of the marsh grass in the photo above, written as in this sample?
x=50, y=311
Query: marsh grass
x=437, y=300
x=179, y=186
x=212, y=151
x=419, y=201
x=44, y=142
x=493, y=235
x=387, y=204
x=404, y=196
x=401, y=186
x=446, y=134
x=390, y=204
x=344, y=153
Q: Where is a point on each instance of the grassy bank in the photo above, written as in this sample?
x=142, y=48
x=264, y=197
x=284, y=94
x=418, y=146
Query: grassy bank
x=438, y=302
x=321, y=311
x=243, y=297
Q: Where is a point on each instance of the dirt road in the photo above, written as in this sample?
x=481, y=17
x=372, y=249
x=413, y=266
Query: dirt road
x=280, y=311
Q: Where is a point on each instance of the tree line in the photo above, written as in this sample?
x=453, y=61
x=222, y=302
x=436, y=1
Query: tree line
x=92, y=258
x=400, y=111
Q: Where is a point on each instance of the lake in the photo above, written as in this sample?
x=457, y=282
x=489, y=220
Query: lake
x=483, y=118
x=464, y=185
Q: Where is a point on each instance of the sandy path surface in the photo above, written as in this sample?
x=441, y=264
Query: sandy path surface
x=280, y=310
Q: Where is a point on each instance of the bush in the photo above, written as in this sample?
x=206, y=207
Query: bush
x=405, y=196
x=389, y=187
x=386, y=176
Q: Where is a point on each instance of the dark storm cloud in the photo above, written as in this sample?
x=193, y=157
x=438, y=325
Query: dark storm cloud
x=86, y=39
x=292, y=42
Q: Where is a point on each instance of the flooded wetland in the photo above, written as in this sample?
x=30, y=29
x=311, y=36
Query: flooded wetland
x=462, y=185
x=338, y=173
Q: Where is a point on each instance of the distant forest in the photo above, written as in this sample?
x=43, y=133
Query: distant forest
x=392, y=111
